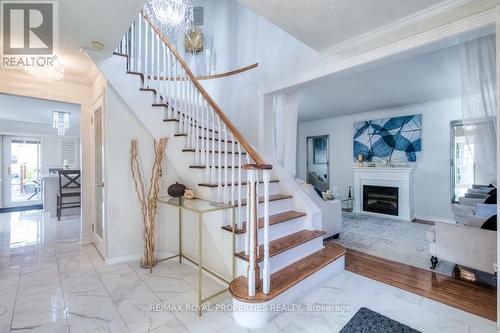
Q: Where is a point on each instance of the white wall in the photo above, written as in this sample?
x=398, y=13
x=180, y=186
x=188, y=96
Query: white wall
x=123, y=220
x=432, y=175
x=240, y=38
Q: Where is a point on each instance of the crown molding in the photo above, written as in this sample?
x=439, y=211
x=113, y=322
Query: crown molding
x=400, y=24
x=330, y=64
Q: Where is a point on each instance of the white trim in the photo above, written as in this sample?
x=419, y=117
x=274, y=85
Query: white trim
x=122, y=259
x=331, y=65
x=400, y=24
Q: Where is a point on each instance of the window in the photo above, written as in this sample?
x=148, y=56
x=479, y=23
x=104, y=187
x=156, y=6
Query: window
x=462, y=162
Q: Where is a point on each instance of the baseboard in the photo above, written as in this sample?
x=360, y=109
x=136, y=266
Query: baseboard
x=435, y=218
x=122, y=259
x=133, y=257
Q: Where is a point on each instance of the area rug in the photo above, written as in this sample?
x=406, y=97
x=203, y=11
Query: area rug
x=368, y=321
x=391, y=239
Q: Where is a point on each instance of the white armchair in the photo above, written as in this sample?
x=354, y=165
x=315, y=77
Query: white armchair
x=331, y=211
x=464, y=245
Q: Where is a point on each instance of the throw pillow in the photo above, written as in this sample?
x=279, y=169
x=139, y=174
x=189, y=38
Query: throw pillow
x=490, y=224
x=485, y=210
x=492, y=199
x=493, y=191
x=319, y=193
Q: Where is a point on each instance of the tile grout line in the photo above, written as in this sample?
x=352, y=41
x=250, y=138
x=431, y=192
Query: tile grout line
x=17, y=293
x=56, y=254
x=104, y=286
x=158, y=297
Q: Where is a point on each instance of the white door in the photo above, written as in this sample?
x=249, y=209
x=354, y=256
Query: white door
x=22, y=185
x=98, y=226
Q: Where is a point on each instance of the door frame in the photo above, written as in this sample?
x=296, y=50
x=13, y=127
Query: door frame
x=329, y=183
x=99, y=242
x=6, y=189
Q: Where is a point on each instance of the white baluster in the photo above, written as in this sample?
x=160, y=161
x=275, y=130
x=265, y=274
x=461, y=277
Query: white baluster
x=247, y=238
x=266, y=274
x=240, y=181
x=199, y=123
x=140, y=22
x=165, y=79
x=158, y=67
x=233, y=170
x=131, y=56
x=146, y=55
x=212, y=168
x=252, y=270
x=219, y=169
x=226, y=170
x=169, y=85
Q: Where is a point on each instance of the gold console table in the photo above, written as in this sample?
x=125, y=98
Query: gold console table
x=201, y=207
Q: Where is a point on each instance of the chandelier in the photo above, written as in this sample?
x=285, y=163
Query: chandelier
x=171, y=15
x=60, y=121
x=52, y=72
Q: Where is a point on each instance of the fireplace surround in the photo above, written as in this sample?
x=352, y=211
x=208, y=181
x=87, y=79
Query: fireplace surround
x=384, y=191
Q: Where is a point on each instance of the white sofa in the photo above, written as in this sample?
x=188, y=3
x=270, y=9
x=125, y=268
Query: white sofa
x=462, y=244
x=331, y=211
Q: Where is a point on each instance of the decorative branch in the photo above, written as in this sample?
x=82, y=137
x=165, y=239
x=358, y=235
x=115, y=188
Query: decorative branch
x=148, y=204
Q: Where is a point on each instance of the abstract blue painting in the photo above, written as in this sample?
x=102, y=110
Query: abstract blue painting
x=397, y=139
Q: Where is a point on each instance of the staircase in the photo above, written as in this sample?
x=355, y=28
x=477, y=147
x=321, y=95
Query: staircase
x=279, y=245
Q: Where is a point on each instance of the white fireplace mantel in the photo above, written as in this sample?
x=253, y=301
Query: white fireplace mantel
x=400, y=177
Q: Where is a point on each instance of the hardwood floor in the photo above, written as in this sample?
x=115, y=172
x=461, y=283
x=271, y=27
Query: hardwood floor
x=476, y=299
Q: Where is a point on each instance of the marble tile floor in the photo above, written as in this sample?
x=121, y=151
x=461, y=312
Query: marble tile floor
x=49, y=283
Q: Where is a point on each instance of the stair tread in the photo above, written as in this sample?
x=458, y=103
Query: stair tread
x=191, y=150
x=273, y=219
x=289, y=276
x=272, y=197
x=286, y=243
x=235, y=183
x=216, y=166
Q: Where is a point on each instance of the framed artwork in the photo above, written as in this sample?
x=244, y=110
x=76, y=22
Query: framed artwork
x=397, y=139
x=319, y=150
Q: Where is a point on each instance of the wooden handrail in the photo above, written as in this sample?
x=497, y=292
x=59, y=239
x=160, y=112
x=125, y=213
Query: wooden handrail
x=248, y=148
x=206, y=77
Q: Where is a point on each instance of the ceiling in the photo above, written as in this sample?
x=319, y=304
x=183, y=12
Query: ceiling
x=421, y=78
x=81, y=22
x=35, y=110
x=321, y=24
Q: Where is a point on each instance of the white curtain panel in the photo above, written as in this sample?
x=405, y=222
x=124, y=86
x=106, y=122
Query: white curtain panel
x=285, y=131
x=478, y=58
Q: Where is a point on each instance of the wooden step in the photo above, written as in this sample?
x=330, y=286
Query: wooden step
x=235, y=183
x=148, y=89
x=204, y=166
x=289, y=276
x=272, y=197
x=171, y=120
x=273, y=219
x=286, y=243
x=191, y=150
x=136, y=73
x=205, y=138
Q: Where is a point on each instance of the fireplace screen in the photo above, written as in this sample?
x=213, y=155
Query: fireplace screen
x=380, y=199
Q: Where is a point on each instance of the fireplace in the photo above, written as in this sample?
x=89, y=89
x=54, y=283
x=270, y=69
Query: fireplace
x=381, y=199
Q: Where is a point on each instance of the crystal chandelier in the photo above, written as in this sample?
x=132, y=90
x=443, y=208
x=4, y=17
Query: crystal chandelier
x=52, y=72
x=171, y=15
x=60, y=121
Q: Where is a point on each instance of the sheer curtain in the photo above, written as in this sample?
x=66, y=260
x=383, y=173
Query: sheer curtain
x=478, y=58
x=285, y=131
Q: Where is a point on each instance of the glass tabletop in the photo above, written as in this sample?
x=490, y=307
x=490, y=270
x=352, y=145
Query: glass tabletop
x=197, y=205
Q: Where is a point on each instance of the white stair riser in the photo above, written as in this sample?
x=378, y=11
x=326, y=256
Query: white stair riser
x=274, y=188
x=286, y=258
x=275, y=231
x=255, y=317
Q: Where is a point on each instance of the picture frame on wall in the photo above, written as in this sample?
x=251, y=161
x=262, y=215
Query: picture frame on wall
x=319, y=150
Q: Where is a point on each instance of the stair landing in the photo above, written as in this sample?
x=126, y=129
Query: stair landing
x=289, y=276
